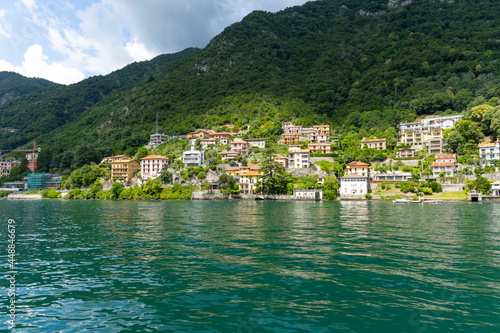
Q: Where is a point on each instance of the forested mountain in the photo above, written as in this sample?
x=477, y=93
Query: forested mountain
x=47, y=109
x=13, y=85
x=365, y=64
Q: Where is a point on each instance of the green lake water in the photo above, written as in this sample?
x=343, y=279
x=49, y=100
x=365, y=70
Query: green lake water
x=195, y=266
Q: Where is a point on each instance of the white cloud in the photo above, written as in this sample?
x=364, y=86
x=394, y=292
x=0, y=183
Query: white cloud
x=36, y=64
x=100, y=36
x=138, y=51
x=4, y=26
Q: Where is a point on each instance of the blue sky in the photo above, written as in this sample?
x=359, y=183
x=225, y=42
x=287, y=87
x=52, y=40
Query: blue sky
x=67, y=41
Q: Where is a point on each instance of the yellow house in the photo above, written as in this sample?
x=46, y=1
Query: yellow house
x=248, y=181
x=125, y=168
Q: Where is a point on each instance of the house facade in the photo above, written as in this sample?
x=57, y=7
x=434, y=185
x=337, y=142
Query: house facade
x=193, y=158
x=356, y=182
x=151, y=166
x=378, y=144
x=114, y=158
x=260, y=142
x=248, y=181
x=299, y=159
x=322, y=148
x=124, y=169
x=448, y=168
x=354, y=185
x=406, y=152
x=489, y=151
x=289, y=139
x=240, y=146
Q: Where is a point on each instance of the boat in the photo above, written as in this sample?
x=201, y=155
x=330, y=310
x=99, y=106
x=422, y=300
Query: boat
x=401, y=201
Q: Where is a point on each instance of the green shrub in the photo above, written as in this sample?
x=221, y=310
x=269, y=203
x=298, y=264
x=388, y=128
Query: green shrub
x=50, y=194
x=368, y=196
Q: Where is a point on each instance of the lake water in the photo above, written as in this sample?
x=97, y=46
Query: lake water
x=149, y=266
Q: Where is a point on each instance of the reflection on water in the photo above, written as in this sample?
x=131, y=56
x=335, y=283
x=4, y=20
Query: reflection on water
x=255, y=266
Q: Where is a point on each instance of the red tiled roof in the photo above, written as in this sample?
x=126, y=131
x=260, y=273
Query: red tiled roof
x=354, y=175
x=154, y=157
x=441, y=164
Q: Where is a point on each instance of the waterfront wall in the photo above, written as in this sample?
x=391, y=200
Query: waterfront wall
x=24, y=196
x=201, y=195
x=453, y=187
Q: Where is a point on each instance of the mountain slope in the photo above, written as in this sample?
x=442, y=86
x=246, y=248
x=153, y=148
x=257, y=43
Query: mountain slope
x=13, y=85
x=47, y=109
x=362, y=63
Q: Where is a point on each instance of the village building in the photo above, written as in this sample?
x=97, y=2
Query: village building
x=289, y=139
x=318, y=137
x=223, y=137
x=240, y=146
x=248, y=181
x=322, y=148
x=358, y=168
x=322, y=129
x=114, y=158
x=206, y=143
x=237, y=171
x=151, y=166
x=193, y=158
x=289, y=128
x=260, y=142
x=447, y=168
x=446, y=158
x=6, y=165
x=299, y=159
x=428, y=133
x=294, y=147
x=356, y=182
x=406, y=152
x=156, y=140
x=393, y=176
x=283, y=160
x=378, y=144
x=495, y=188
x=229, y=155
x=489, y=151
x=308, y=194
x=124, y=169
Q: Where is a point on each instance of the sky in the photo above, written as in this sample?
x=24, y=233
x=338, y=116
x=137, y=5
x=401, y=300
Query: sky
x=68, y=41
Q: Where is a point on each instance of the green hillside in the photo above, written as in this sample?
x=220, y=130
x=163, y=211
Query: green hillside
x=361, y=64
x=39, y=113
x=13, y=85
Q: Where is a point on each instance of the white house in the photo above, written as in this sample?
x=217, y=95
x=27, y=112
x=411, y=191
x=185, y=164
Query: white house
x=354, y=184
x=152, y=165
x=489, y=151
x=448, y=168
x=357, y=180
x=193, y=157
x=495, y=188
x=299, y=159
x=260, y=142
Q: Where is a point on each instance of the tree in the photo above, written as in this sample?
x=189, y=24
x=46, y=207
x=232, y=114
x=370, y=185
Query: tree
x=143, y=152
x=482, y=184
x=152, y=187
x=455, y=141
x=330, y=187
x=274, y=178
x=415, y=176
x=166, y=177
x=228, y=185
x=436, y=187
x=470, y=130
x=116, y=190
